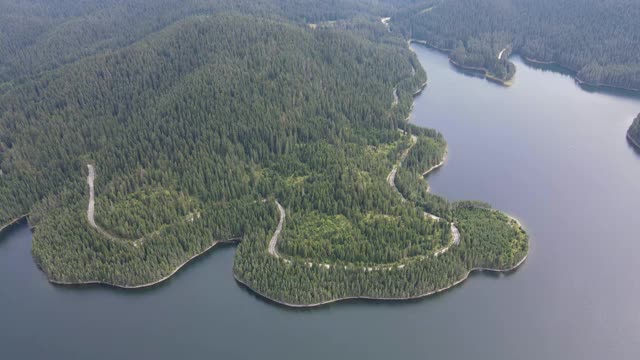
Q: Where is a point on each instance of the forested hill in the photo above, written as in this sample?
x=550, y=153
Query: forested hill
x=38, y=35
x=197, y=129
x=598, y=39
x=268, y=85
x=634, y=132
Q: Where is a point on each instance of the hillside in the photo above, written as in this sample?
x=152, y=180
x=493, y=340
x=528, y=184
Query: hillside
x=597, y=39
x=40, y=35
x=195, y=132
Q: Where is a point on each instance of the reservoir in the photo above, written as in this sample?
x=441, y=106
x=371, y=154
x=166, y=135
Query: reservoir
x=544, y=150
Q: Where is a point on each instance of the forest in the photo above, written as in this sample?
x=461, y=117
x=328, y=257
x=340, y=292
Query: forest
x=596, y=39
x=40, y=35
x=198, y=121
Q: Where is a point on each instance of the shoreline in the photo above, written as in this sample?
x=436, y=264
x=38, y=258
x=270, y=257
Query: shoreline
x=141, y=286
x=509, y=82
x=12, y=222
x=487, y=74
x=390, y=179
x=420, y=90
x=599, y=85
x=91, y=220
x=415, y=297
x=425, y=43
x=208, y=248
x=574, y=75
x=444, y=159
x=541, y=62
x=98, y=282
x=633, y=141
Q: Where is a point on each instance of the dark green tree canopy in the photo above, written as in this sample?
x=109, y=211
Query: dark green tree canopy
x=200, y=117
x=597, y=39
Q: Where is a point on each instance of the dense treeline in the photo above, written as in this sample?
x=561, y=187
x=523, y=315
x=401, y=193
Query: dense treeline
x=428, y=152
x=366, y=221
x=118, y=110
x=634, y=132
x=69, y=251
x=37, y=35
x=369, y=239
x=598, y=39
x=196, y=129
x=207, y=111
x=134, y=215
x=488, y=240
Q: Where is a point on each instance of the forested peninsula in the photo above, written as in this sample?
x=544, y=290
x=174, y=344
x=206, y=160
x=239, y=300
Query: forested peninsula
x=137, y=155
x=595, y=39
x=634, y=132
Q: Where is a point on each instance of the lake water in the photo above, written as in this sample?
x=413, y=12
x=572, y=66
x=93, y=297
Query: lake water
x=544, y=150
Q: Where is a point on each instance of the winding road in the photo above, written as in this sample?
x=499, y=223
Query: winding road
x=273, y=243
x=501, y=52
x=395, y=97
x=92, y=221
x=91, y=211
x=276, y=234
x=91, y=214
x=391, y=179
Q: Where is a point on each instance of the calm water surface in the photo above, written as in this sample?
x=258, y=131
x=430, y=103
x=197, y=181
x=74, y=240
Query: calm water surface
x=543, y=150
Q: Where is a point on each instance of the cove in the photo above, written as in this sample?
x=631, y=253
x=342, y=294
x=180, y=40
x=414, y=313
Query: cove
x=543, y=150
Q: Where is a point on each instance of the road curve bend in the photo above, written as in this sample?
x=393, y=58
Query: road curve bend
x=273, y=250
x=455, y=233
x=91, y=209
